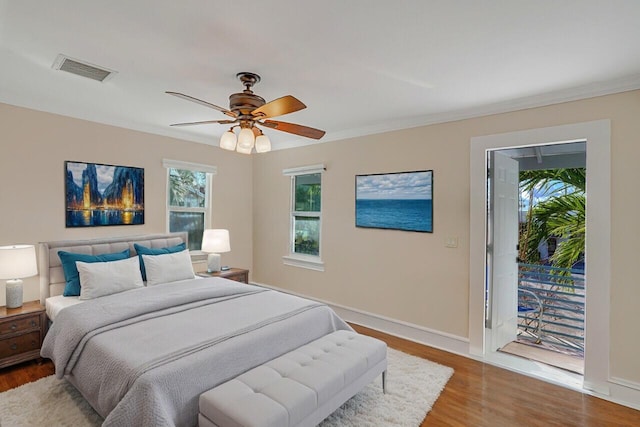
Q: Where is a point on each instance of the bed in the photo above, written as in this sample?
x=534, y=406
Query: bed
x=143, y=357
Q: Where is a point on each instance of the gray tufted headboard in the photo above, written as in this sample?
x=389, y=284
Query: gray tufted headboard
x=51, y=275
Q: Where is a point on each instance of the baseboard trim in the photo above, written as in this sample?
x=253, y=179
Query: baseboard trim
x=401, y=329
x=625, y=383
x=623, y=392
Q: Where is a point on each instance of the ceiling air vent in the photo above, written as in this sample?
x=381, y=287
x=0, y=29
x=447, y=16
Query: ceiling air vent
x=83, y=69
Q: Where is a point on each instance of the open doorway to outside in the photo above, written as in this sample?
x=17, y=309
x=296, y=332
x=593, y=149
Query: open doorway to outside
x=536, y=220
x=597, y=135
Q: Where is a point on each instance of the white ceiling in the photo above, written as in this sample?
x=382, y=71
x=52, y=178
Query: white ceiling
x=360, y=66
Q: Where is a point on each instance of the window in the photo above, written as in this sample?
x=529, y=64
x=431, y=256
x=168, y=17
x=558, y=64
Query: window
x=306, y=214
x=305, y=217
x=189, y=199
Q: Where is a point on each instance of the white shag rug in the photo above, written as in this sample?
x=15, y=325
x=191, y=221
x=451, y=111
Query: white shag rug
x=413, y=385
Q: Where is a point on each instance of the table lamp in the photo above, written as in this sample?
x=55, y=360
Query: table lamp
x=215, y=241
x=16, y=263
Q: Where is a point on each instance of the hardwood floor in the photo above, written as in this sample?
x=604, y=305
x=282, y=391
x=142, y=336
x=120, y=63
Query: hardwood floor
x=477, y=394
x=23, y=373
x=482, y=395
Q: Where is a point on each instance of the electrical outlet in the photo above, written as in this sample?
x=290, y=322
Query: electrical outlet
x=451, y=242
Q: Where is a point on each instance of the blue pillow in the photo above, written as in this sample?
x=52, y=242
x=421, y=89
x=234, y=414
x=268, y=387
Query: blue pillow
x=143, y=250
x=68, y=260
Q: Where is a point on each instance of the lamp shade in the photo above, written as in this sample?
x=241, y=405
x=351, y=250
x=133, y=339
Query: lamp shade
x=242, y=150
x=18, y=261
x=228, y=141
x=246, y=139
x=215, y=241
x=263, y=144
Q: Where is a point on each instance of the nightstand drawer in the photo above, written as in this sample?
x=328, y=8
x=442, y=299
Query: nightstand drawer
x=19, y=325
x=19, y=344
x=22, y=330
x=237, y=274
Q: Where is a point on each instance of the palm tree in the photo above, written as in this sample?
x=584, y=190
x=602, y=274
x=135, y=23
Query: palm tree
x=560, y=213
x=185, y=187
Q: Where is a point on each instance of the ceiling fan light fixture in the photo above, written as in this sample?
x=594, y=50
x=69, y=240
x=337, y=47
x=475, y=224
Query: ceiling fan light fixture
x=228, y=140
x=246, y=110
x=246, y=139
x=263, y=144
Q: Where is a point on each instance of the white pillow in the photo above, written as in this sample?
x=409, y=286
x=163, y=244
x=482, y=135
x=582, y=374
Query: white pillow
x=105, y=278
x=167, y=268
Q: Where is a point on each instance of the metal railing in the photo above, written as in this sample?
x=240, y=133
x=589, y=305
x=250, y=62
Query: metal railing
x=561, y=294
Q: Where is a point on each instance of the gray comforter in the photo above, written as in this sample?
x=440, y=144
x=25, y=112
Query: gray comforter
x=143, y=357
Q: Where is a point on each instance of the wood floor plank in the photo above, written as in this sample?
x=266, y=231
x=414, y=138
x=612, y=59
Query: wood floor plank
x=477, y=394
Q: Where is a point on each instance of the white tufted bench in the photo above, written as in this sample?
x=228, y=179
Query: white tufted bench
x=300, y=388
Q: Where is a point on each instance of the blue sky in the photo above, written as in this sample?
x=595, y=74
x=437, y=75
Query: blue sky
x=105, y=174
x=542, y=193
x=409, y=185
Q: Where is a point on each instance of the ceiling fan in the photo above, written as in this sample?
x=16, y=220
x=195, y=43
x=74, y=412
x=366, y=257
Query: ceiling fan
x=246, y=111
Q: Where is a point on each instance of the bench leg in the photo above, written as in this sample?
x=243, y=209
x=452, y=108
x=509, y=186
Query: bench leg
x=384, y=382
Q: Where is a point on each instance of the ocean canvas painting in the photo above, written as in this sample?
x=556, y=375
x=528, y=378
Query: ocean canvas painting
x=400, y=201
x=98, y=195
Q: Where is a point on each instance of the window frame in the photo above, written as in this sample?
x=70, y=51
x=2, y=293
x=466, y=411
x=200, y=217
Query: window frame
x=312, y=262
x=210, y=172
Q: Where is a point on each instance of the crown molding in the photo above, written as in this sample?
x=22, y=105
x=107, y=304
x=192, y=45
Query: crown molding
x=550, y=98
x=576, y=93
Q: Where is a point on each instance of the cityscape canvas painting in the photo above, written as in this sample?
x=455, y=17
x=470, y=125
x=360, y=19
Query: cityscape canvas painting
x=98, y=195
x=399, y=201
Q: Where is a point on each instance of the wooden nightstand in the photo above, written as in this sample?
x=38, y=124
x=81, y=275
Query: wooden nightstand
x=22, y=331
x=237, y=274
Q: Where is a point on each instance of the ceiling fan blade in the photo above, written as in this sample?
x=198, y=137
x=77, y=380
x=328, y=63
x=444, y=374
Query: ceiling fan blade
x=206, y=122
x=294, y=128
x=201, y=102
x=279, y=107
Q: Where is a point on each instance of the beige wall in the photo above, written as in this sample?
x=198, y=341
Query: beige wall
x=34, y=146
x=413, y=277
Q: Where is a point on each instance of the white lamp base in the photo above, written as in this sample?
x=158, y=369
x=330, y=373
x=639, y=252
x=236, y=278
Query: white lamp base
x=213, y=263
x=14, y=293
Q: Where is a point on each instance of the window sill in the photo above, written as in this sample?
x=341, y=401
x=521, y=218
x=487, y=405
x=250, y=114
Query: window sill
x=308, y=262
